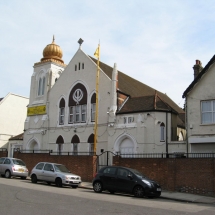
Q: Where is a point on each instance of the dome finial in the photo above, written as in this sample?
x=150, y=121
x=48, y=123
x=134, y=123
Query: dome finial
x=53, y=39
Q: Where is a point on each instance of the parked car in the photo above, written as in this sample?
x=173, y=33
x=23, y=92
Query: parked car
x=126, y=180
x=13, y=167
x=54, y=173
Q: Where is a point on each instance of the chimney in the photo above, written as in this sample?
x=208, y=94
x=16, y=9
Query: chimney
x=197, y=68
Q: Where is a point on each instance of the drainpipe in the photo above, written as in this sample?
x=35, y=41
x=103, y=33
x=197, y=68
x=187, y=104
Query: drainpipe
x=167, y=150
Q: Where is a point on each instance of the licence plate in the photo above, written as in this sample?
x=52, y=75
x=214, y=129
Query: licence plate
x=158, y=189
x=21, y=170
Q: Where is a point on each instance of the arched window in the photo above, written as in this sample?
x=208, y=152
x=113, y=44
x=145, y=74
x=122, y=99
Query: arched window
x=75, y=141
x=91, y=144
x=61, y=111
x=59, y=143
x=41, y=86
x=78, y=104
x=162, y=132
x=93, y=107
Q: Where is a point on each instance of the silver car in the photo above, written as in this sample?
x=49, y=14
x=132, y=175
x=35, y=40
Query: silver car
x=54, y=173
x=13, y=167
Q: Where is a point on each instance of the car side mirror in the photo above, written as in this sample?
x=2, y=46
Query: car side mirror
x=52, y=170
x=130, y=176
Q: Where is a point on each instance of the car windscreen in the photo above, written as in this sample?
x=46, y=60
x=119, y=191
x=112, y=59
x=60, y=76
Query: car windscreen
x=138, y=173
x=60, y=168
x=18, y=162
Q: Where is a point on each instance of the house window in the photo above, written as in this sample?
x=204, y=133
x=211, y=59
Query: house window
x=128, y=119
x=162, y=132
x=75, y=67
x=61, y=111
x=208, y=112
x=79, y=66
x=82, y=65
x=93, y=107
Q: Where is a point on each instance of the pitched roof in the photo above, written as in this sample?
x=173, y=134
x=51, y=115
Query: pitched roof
x=199, y=76
x=145, y=103
x=138, y=91
x=17, y=137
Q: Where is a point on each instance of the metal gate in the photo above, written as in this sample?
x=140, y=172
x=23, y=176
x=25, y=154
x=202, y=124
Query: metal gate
x=105, y=159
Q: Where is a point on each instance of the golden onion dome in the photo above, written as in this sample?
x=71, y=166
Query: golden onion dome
x=52, y=52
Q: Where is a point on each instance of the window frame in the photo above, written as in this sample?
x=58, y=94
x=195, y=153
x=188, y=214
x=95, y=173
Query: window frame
x=61, y=115
x=211, y=111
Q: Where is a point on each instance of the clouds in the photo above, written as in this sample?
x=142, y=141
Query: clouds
x=156, y=42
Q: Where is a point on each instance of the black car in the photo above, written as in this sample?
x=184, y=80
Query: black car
x=126, y=180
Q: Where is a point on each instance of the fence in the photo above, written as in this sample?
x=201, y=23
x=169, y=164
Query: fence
x=51, y=152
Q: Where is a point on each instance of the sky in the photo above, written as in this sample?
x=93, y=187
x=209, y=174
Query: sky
x=153, y=41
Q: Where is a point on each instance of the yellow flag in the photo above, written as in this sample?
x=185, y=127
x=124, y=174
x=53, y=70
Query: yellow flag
x=97, y=53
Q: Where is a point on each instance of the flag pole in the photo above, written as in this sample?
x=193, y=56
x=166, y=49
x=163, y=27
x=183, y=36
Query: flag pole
x=97, y=54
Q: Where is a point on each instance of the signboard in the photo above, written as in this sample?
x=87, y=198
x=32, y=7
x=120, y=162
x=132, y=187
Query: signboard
x=37, y=110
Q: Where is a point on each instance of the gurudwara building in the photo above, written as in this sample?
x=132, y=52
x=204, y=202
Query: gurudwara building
x=133, y=118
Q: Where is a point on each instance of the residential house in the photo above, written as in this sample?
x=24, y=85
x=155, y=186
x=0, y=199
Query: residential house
x=13, y=112
x=200, y=108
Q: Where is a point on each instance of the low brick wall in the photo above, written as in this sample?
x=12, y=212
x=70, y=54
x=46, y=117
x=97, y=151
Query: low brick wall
x=191, y=175
x=85, y=166
x=3, y=153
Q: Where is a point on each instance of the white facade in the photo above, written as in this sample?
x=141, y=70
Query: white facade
x=64, y=129
x=13, y=111
x=200, y=111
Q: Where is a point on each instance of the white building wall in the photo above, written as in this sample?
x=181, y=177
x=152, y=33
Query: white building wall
x=13, y=111
x=203, y=90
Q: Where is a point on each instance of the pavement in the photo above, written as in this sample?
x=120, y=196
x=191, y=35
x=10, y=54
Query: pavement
x=176, y=196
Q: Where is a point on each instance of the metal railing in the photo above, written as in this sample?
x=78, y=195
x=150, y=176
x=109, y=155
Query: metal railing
x=51, y=152
x=124, y=155
x=167, y=155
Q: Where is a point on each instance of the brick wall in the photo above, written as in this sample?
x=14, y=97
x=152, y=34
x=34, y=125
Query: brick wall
x=194, y=175
x=3, y=153
x=85, y=166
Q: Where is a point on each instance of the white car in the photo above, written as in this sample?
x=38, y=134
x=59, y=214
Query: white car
x=54, y=173
x=13, y=167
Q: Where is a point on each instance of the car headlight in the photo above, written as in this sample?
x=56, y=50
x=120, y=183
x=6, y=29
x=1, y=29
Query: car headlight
x=147, y=182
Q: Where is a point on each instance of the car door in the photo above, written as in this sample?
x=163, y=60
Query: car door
x=124, y=181
x=38, y=170
x=6, y=165
x=1, y=164
x=48, y=173
x=109, y=178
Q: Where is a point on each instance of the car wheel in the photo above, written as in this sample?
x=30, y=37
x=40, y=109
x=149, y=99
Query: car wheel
x=48, y=182
x=58, y=182
x=23, y=177
x=34, y=179
x=7, y=174
x=74, y=186
x=138, y=191
x=97, y=187
x=111, y=191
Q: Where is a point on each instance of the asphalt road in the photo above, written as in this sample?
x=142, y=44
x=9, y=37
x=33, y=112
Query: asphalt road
x=24, y=198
